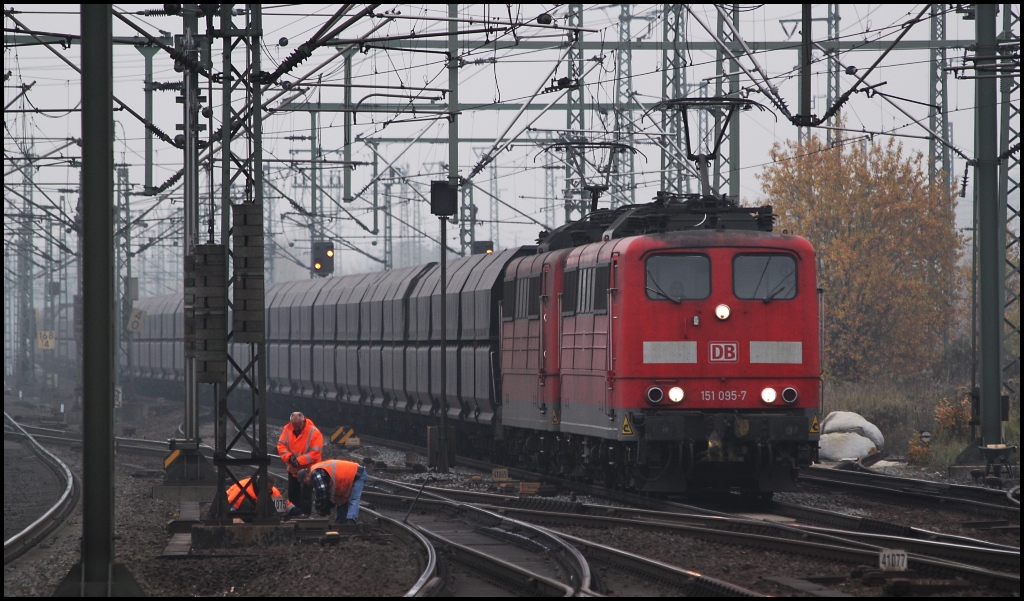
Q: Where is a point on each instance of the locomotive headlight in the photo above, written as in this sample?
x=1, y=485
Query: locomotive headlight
x=790, y=395
x=722, y=312
x=655, y=395
x=768, y=395
x=675, y=394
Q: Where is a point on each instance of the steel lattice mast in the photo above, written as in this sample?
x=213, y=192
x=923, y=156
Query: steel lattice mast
x=1009, y=194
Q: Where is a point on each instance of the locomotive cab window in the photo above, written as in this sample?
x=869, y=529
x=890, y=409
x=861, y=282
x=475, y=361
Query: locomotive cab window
x=764, y=277
x=678, y=277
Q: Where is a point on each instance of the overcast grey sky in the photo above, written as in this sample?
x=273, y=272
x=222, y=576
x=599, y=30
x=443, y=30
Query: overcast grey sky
x=488, y=77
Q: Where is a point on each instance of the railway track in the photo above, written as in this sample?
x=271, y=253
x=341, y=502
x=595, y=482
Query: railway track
x=739, y=530
x=35, y=532
x=851, y=539
x=620, y=571
x=970, y=499
x=501, y=554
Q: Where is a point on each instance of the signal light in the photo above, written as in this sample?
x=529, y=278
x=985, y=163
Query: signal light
x=655, y=395
x=790, y=395
x=323, y=258
x=482, y=247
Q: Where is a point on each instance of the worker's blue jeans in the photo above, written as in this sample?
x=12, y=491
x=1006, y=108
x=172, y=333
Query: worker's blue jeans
x=350, y=509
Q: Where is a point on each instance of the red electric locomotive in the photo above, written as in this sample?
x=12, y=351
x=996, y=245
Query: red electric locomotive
x=665, y=348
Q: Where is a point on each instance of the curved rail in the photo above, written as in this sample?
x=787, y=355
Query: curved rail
x=572, y=562
x=694, y=584
x=37, y=530
x=960, y=560
x=428, y=584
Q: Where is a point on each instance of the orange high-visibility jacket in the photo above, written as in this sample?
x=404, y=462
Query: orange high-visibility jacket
x=306, y=447
x=343, y=474
x=236, y=497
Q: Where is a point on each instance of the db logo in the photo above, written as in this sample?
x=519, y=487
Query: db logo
x=725, y=351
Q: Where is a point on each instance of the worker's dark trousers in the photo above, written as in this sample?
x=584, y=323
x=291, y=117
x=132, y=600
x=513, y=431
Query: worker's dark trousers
x=301, y=496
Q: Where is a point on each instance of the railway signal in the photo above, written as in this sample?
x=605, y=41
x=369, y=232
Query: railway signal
x=323, y=258
x=482, y=247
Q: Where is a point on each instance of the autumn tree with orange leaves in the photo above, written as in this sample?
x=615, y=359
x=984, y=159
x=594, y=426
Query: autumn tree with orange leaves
x=887, y=248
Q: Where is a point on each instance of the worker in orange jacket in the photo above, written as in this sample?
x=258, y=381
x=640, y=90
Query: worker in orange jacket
x=336, y=482
x=242, y=496
x=300, y=446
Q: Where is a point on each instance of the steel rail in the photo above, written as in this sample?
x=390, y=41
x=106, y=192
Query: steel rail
x=842, y=521
x=26, y=539
x=964, y=559
x=834, y=545
x=570, y=560
x=428, y=584
x=948, y=496
x=691, y=583
x=852, y=527
x=1004, y=559
x=477, y=561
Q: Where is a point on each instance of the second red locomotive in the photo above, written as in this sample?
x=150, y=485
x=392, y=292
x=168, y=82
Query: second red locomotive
x=669, y=362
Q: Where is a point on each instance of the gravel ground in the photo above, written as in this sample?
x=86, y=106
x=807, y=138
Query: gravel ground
x=744, y=566
x=30, y=487
x=923, y=517
x=353, y=568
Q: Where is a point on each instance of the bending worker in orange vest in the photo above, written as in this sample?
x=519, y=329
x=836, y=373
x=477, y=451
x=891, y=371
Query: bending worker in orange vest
x=300, y=446
x=242, y=496
x=336, y=482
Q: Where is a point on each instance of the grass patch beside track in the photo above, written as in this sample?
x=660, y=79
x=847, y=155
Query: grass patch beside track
x=903, y=409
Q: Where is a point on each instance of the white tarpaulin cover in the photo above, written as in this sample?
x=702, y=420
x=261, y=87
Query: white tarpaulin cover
x=844, y=445
x=848, y=421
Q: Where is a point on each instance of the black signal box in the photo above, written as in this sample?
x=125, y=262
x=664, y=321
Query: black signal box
x=323, y=258
x=444, y=199
x=482, y=247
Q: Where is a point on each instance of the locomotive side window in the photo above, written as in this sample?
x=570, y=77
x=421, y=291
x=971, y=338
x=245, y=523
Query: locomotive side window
x=527, y=295
x=508, y=302
x=569, y=294
x=764, y=277
x=678, y=277
x=585, y=291
x=601, y=275
x=533, y=304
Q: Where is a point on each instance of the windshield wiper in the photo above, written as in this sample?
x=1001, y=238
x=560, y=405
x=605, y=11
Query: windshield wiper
x=778, y=289
x=677, y=301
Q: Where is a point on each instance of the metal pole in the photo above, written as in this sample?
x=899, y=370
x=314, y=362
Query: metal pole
x=833, y=92
x=26, y=311
x=494, y=206
x=673, y=82
x=733, y=160
x=98, y=300
x=575, y=166
x=190, y=187
x=255, y=34
x=805, y=62
x=349, y=115
x=991, y=228
x=453, y=179
x=940, y=158
x=1009, y=192
x=148, y=52
x=389, y=259
x=316, y=221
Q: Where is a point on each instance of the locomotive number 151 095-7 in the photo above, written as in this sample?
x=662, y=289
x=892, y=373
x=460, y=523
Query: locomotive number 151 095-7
x=723, y=395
